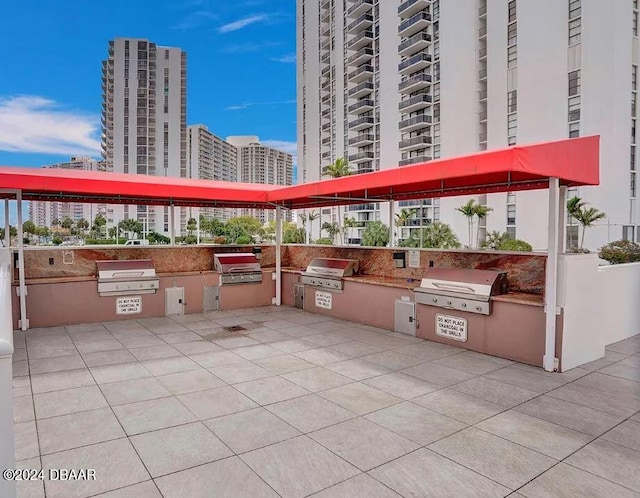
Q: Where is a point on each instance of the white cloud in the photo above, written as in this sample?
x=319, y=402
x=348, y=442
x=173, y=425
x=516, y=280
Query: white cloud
x=287, y=59
x=246, y=47
x=242, y=23
x=29, y=123
x=246, y=105
x=283, y=145
x=194, y=20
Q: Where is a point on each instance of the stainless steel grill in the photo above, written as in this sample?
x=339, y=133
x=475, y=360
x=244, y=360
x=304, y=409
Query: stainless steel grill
x=328, y=272
x=238, y=268
x=464, y=290
x=121, y=278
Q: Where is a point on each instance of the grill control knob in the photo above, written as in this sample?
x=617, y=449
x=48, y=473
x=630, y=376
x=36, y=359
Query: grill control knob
x=464, y=305
x=435, y=300
x=448, y=303
x=479, y=308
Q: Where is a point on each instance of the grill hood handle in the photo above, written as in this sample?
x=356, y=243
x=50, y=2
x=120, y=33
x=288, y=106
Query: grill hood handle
x=453, y=287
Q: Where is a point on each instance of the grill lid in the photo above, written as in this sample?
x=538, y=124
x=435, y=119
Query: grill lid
x=236, y=262
x=125, y=270
x=332, y=267
x=467, y=283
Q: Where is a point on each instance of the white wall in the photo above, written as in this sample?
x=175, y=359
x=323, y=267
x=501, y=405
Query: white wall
x=601, y=306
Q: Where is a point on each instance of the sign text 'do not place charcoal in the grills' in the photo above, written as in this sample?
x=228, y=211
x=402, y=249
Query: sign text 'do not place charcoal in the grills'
x=128, y=305
x=451, y=327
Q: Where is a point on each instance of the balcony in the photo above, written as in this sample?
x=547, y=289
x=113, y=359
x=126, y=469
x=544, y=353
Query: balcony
x=326, y=126
x=414, y=44
x=415, y=83
x=415, y=123
x=361, y=123
x=414, y=143
x=326, y=70
x=482, y=74
x=362, y=105
x=364, y=21
x=362, y=73
x=414, y=103
x=360, y=8
x=423, y=158
x=415, y=23
x=414, y=64
x=410, y=7
x=326, y=141
x=360, y=57
x=482, y=116
x=359, y=157
x=362, y=139
x=482, y=53
x=361, y=90
x=360, y=40
x=326, y=113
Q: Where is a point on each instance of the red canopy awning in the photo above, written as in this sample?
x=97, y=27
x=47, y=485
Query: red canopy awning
x=574, y=161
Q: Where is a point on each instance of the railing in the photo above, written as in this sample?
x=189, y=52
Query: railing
x=7, y=449
x=420, y=78
x=367, y=85
x=413, y=60
x=413, y=40
x=420, y=16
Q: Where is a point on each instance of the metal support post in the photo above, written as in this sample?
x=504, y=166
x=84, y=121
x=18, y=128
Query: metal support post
x=551, y=284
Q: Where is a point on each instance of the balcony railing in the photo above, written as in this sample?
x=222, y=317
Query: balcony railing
x=360, y=40
x=415, y=160
x=362, y=156
x=412, y=6
x=414, y=63
x=361, y=89
x=363, y=72
x=415, y=82
x=415, y=122
x=363, y=122
x=361, y=104
x=362, y=139
x=364, y=21
x=363, y=55
x=414, y=43
x=414, y=24
x=360, y=7
x=415, y=103
x=416, y=142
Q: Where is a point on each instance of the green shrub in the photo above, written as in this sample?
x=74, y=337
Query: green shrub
x=244, y=240
x=620, y=251
x=375, y=235
x=190, y=239
x=57, y=240
x=293, y=235
x=325, y=241
x=220, y=239
x=515, y=245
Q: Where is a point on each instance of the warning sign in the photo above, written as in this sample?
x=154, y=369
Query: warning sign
x=129, y=305
x=451, y=327
x=323, y=300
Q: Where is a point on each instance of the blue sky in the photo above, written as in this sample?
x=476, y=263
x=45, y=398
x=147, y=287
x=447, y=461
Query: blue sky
x=240, y=69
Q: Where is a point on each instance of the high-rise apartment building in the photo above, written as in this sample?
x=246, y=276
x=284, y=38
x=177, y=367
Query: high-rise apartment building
x=43, y=213
x=144, y=127
x=258, y=163
x=392, y=83
x=210, y=157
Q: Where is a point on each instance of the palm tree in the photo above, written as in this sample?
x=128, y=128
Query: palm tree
x=495, y=239
x=481, y=212
x=312, y=216
x=439, y=235
x=349, y=223
x=375, y=235
x=587, y=217
x=402, y=218
x=469, y=211
x=337, y=169
x=574, y=206
x=332, y=229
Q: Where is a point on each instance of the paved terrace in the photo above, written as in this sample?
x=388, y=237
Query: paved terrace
x=292, y=403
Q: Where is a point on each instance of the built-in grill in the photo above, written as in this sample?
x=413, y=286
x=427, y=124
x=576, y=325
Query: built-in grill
x=121, y=278
x=328, y=272
x=238, y=268
x=464, y=290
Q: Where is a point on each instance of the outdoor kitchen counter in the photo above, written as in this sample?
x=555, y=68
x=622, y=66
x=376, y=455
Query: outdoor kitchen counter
x=524, y=298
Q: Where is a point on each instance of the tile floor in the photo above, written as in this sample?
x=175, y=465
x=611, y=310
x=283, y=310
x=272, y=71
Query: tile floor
x=299, y=404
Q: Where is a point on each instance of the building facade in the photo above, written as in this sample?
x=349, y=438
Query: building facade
x=393, y=83
x=144, y=128
x=44, y=213
x=257, y=163
x=210, y=157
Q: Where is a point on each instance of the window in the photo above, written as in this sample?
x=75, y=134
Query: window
x=512, y=101
x=511, y=214
x=511, y=198
x=512, y=56
x=574, y=9
x=512, y=10
x=511, y=232
x=574, y=82
x=572, y=236
x=574, y=109
x=628, y=232
x=574, y=130
x=634, y=77
x=633, y=158
x=512, y=34
x=632, y=184
x=512, y=125
x=575, y=30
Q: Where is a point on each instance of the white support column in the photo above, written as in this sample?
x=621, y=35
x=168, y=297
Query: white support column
x=198, y=226
x=551, y=284
x=172, y=224
x=391, y=238
x=24, y=321
x=278, y=299
x=562, y=221
x=7, y=448
x=7, y=228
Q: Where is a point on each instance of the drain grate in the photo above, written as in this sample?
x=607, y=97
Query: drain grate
x=234, y=328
